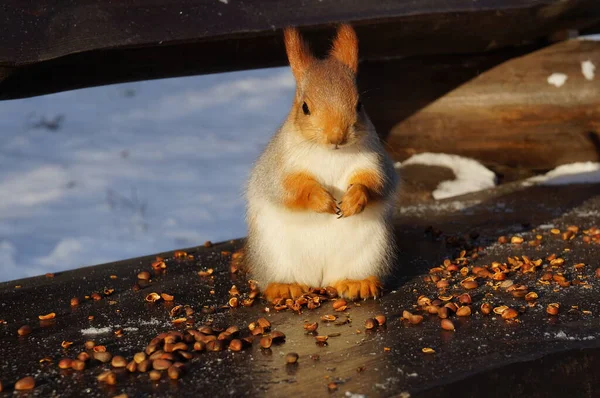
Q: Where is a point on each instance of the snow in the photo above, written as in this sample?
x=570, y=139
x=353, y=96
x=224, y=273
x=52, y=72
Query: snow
x=573, y=173
x=470, y=175
x=107, y=173
x=561, y=335
x=89, y=331
x=587, y=69
x=557, y=79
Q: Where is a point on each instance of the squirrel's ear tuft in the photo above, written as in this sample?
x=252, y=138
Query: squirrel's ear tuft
x=345, y=47
x=297, y=51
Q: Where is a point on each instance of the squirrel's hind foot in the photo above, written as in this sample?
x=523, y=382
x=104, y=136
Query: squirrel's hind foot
x=284, y=290
x=358, y=289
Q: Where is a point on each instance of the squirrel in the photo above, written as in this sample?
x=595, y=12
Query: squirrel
x=320, y=197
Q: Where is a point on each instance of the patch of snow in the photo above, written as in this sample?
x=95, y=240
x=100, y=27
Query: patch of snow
x=103, y=330
x=224, y=1
x=354, y=395
x=546, y=226
x=587, y=69
x=149, y=322
x=131, y=329
x=470, y=175
x=573, y=173
x=561, y=335
x=557, y=79
x=595, y=37
x=442, y=207
x=108, y=173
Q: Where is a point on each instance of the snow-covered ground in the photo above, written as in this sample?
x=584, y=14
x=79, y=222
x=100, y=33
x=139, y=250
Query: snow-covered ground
x=108, y=173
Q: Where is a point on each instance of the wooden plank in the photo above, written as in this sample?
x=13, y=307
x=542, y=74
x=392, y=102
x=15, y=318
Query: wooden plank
x=493, y=108
x=51, y=47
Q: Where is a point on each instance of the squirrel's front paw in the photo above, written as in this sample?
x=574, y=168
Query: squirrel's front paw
x=355, y=289
x=322, y=201
x=354, y=201
x=284, y=290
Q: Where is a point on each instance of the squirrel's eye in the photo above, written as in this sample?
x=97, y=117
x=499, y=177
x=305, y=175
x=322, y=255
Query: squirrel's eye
x=305, y=109
x=358, y=106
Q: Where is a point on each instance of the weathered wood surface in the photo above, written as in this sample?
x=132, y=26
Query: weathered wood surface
x=539, y=356
x=50, y=46
x=496, y=108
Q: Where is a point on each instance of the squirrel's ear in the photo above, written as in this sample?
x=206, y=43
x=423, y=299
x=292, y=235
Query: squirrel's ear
x=345, y=47
x=297, y=51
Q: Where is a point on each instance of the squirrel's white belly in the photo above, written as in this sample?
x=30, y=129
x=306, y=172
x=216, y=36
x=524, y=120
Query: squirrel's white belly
x=320, y=249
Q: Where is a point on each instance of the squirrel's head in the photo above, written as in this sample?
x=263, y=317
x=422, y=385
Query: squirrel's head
x=326, y=108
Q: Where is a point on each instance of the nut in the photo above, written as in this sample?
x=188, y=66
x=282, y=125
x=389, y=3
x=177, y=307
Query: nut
x=531, y=296
x=235, y=345
x=161, y=364
x=370, y=323
x=517, y=240
x=131, y=366
x=78, y=364
x=415, y=319
x=442, y=284
x=83, y=356
x=89, y=344
x=311, y=327
x=499, y=310
x=174, y=372
x=443, y=313
x=26, y=383
x=464, y=298
x=103, y=357
x=167, y=297
x=381, y=319
x=46, y=317
x=264, y=323
x=328, y=318
x=74, y=302
x=99, y=348
x=111, y=379
x=199, y=346
x=469, y=284
x=144, y=275
x=65, y=363
x=24, y=330
x=463, y=311
x=447, y=325
x=153, y=297
x=154, y=375
x=118, y=362
x=509, y=313
x=552, y=308
x=144, y=365
x=215, y=345
x=332, y=386
x=428, y=350
x=102, y=376
x=276, y=335
x=486, y=308
x=339, y=303
x=321, y=339
x=266, y=342
x=291, y=358
x=208, y=272
x=139, y=357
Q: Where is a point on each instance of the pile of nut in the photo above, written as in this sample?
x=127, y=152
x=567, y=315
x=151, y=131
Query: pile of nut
x=454, y=278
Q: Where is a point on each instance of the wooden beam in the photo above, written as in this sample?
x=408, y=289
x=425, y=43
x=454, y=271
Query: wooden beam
x=50, y=46
x=498, y=108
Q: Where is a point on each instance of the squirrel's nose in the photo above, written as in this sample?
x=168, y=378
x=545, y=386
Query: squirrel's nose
x=337, y=137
